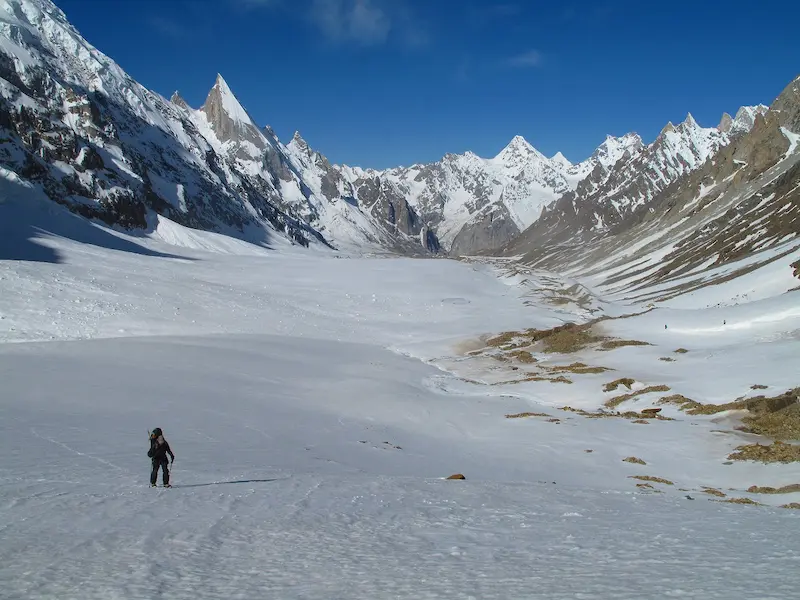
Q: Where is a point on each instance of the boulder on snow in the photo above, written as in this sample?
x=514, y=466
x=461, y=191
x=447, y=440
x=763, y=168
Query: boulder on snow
x=457, y=476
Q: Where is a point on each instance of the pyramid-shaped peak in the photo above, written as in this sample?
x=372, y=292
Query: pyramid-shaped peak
x=519, y=147
x=559, y=159
x=221, y=100
x=228, y=118
x=298, y=143
x=668, y=128
x=221, y=84
x=519, y=142
x=178, y=100
x=689, y=121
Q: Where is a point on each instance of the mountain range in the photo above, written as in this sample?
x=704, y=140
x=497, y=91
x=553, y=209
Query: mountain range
x=74, y=124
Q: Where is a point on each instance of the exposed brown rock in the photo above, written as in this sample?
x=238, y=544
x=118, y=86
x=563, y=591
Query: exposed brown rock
x=651, y=478
x=626, y=381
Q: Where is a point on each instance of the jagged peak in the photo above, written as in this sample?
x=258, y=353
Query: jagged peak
x=178, y=100
x=222, y=85
x=519, y=146
x=222, y=98
x=299, y=141
x=746, y=117
x=689, y=121
x=629, y=139
x=560, y=159
x=668, y=128
x=613, y=148
x=299, y=144
x=519, y=142
x=749, y=112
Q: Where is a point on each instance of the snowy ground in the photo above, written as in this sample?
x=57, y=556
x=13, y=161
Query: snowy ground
x=311, y=441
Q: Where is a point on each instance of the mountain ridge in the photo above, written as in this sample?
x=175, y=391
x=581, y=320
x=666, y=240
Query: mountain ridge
x=100, y=143
x=737, y=211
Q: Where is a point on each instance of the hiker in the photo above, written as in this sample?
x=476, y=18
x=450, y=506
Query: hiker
x=159, y=448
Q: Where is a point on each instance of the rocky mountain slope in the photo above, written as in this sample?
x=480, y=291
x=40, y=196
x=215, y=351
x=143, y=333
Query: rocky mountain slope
x=74, y=124
x=77, y=126
x=480, y=204
x=608, y=195
x=725, y=208
x=471, y=203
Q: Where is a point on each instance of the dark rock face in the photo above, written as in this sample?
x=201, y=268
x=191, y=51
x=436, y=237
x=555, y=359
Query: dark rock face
x=430, y=241
x=227, y=127
x=726, y=123
x=178, y=101
x=387, y=205
x=787, y=107
x=487, y=234
x=395, y=222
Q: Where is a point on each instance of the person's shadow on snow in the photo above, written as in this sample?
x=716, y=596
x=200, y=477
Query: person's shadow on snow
x=194, y=485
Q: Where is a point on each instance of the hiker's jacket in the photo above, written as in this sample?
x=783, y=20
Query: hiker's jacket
x=159, y=448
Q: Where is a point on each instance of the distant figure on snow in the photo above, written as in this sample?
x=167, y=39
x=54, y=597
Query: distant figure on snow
x=159, y=448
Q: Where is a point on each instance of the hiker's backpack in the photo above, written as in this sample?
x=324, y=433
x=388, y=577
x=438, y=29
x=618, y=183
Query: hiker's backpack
x=153, y=446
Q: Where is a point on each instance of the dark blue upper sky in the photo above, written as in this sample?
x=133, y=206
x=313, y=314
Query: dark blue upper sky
x=381, y=83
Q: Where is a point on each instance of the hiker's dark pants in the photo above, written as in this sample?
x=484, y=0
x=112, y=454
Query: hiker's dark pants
x=164, y=464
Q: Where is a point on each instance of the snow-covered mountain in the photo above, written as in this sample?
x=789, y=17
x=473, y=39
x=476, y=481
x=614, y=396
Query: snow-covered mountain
x=478, y=204
x=622, y=182
x=98, y=142
x=75, y=125
x=744, y=120
x=686, y=210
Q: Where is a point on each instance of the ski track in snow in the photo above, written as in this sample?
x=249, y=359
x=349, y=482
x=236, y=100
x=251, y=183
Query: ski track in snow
x=310, y=459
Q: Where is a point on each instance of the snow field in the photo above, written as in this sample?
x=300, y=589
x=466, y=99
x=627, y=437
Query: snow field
x=315, y=402
x=276, y=494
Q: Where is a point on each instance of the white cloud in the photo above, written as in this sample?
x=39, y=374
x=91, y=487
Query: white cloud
x=366, y=22
x=526, y=60
x=167, y=27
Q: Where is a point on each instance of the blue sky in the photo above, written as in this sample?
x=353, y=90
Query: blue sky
x=380, y=83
